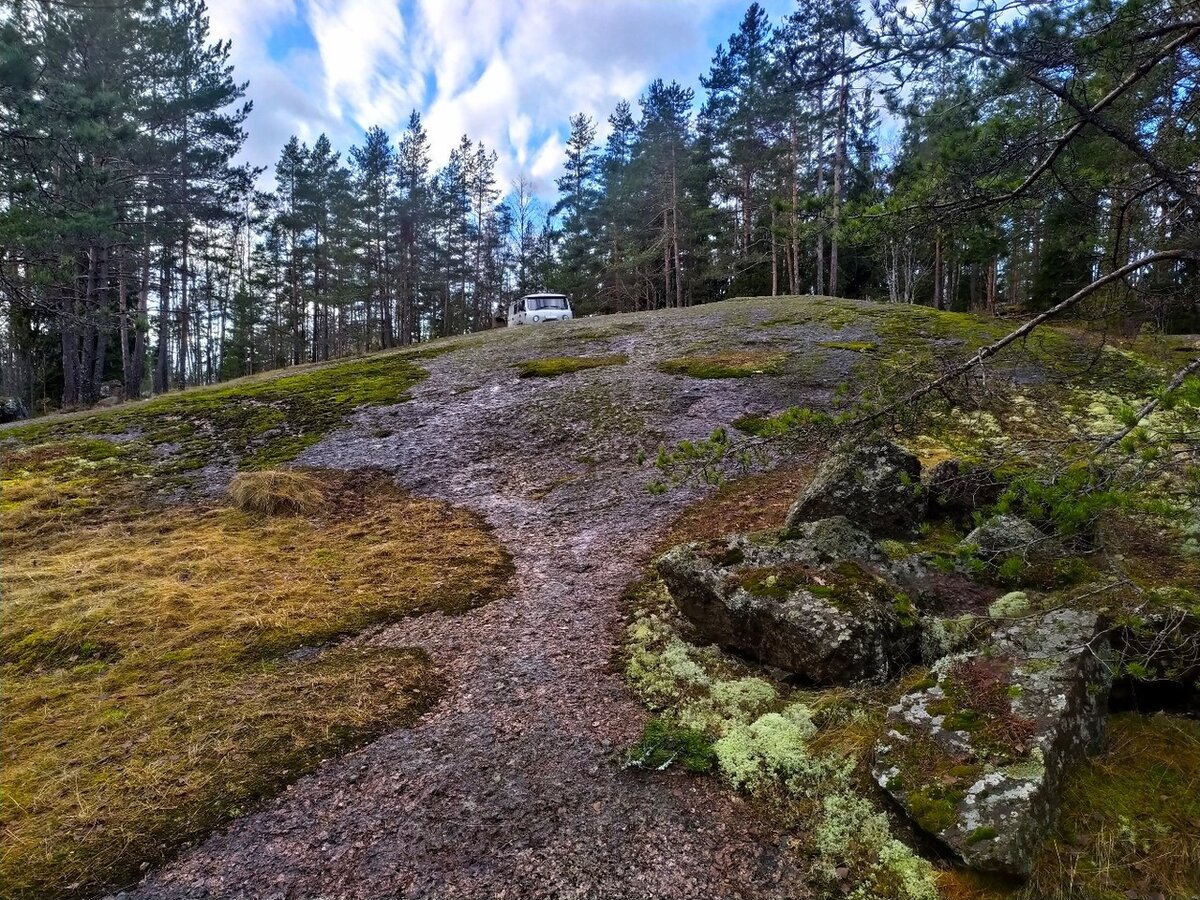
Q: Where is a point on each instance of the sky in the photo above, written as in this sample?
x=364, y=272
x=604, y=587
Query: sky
x=507, y=72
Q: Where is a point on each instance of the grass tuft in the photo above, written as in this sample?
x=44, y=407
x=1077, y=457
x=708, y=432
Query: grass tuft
x=276, y=492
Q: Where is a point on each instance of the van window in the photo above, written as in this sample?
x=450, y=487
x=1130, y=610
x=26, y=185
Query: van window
x=547, y=303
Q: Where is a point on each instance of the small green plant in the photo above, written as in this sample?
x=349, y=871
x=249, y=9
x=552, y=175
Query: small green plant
x=665, y=742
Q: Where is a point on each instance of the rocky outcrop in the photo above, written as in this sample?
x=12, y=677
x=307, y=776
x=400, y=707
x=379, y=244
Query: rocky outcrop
x=876, y=485
x=976, y=755
x=1003, y=536
x=12, y=410
x=809, y=600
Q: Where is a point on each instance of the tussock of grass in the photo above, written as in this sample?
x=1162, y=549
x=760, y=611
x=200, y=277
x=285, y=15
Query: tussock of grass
x=731, y=364
x=564, y=365
x=158, y=672
x=274, y=492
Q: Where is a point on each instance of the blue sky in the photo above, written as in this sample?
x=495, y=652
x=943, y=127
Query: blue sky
x=507, y=72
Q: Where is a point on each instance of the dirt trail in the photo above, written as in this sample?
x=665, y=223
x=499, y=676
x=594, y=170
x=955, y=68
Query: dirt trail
x=512, y=787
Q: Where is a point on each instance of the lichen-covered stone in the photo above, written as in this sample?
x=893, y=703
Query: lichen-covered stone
x=976, y=755
x=1003, y=536
x=876, y=485
x=809, y=601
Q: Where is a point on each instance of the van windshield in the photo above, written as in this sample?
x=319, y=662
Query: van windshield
x=547, y=303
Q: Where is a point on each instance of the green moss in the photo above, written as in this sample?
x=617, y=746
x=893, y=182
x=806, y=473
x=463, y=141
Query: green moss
x=963, y=720
x=775, y=582
x=982, y=833
x=933, y=808
x=665, y=742
x=553, y=366
x=905, y=609
x=847, y=586
x=261, y=422
x=733, y=364
x=1130, y=818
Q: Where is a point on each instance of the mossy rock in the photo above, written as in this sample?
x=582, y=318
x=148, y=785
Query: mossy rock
x=977, y=757
x=782, y=599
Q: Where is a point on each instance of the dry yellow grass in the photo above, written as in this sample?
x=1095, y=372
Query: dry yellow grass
x=273, y=492
x=151, y=689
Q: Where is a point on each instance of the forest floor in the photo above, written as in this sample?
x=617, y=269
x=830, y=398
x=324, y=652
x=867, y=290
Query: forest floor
x=509, y=779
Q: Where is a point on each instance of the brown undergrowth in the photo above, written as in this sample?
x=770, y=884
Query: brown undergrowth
x=753, y=503
x=166, y=668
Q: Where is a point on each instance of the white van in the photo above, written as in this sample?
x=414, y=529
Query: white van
x=534, y=309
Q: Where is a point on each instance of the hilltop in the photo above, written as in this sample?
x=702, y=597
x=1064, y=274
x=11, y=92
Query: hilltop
x=419, y=661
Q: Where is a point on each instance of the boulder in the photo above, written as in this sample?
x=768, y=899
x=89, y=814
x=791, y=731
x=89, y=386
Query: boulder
x=956, y=489
x=12, y=410
x=876, y=485
x=1002, y=536
x=809, y=600
x=976, y=754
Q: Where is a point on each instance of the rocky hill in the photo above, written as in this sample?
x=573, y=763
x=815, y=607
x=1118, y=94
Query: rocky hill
x=434, y=623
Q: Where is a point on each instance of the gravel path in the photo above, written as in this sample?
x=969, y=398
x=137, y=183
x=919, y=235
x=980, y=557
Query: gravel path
x=512, y=787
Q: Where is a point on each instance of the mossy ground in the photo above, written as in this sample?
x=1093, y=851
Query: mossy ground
x=258, y=422
x=729, y=364
x=170, y=659
x=164, y=671
x=565, y=365
x=1129, y=825
x=1030, y=422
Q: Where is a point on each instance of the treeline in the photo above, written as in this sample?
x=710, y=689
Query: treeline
x=971, y=157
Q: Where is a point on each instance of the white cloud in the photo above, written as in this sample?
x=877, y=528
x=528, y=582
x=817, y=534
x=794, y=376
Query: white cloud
x=505, y=72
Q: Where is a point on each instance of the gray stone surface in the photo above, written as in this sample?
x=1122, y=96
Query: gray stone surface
x=875, y=485
x=12, y=409
x=977, y=759
x=1002, y=536
x=809, y=601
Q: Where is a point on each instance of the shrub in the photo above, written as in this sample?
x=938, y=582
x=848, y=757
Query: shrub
x=276, y=492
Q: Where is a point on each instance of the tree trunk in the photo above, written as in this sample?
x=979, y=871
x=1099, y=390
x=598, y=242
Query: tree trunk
x=938, y=302
x=123, y=323
x=839, y=163
x=821, y=191
x=162, y=367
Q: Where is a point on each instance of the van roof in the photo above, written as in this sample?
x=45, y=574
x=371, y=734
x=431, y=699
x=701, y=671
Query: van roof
x=545, y=294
